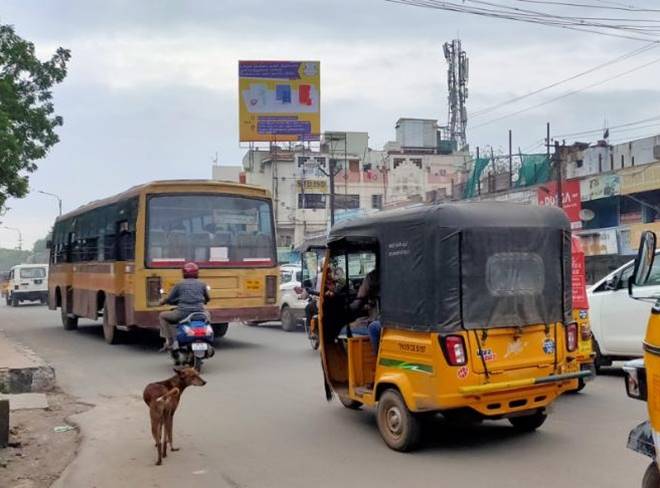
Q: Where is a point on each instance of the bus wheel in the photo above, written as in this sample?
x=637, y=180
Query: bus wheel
x=399, y=428
x=220, y=330
x=70, y=322
x=111, y=334
x=651, y=477
x=288, y=320
x=350, y=403
x=528, y=423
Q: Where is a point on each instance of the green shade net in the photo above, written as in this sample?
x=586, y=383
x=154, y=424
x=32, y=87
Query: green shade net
x=475, y=175
x=535, y=169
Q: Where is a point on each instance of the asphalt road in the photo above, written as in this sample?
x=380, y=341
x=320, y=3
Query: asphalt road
x=262, y=421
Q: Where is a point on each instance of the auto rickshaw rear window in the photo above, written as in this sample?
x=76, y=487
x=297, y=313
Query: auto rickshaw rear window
x=515, y=273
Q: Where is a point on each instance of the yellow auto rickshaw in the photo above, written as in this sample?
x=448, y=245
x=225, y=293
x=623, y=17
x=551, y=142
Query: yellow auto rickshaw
x=585, y=354
x=467, y=313
x=643, y=376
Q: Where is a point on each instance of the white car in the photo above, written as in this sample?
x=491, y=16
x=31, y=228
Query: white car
x=618, y=322
x=27, y=282
x=292, y=308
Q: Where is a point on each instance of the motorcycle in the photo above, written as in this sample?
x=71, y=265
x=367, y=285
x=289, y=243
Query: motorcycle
x=195, y=338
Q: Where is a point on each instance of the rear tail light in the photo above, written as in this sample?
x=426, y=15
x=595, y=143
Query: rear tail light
x=271, y=289
x=453, y=347
x=153, y=290
x=571, y=337
x=585, y=332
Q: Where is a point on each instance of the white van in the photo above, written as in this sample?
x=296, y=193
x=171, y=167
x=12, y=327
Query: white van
x=27, y=282
x=618, y=323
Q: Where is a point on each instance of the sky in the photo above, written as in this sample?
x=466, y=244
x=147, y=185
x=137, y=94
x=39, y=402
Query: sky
x=152, y=86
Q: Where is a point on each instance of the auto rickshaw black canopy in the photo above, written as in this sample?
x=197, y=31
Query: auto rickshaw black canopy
x=467, y=265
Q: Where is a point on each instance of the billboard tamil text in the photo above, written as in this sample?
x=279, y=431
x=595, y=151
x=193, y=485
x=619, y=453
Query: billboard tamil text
x=279, y=101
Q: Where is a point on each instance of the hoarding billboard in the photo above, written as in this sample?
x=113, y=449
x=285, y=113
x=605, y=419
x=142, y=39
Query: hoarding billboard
x=279, y=101
x=547, y=195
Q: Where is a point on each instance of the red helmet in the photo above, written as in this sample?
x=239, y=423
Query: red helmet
x=190, y=270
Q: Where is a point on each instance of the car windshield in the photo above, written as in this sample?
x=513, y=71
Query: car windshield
x=212, y=230
x=33, y=272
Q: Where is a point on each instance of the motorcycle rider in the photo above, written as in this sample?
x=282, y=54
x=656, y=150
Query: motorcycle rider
x=189, y=296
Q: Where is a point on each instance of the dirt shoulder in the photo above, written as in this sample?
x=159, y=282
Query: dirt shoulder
x=38, y=453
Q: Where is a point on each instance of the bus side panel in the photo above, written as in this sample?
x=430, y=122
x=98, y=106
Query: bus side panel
x=60, y=277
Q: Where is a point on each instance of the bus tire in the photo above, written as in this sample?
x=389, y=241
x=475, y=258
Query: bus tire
x=69, y=322
x=288, y=320
x=111, y=334
x=398, y=426
x=528, y=423
x=651, y=476
x=220, y=330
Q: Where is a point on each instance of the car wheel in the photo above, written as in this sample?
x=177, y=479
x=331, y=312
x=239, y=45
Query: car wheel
x=219, y=330
x=69, y=322
x=600, y=360
x=651, y=477
x=14, y=301
x=398, y=426
x=288, y=320
x=528, y=423
x=111, y=334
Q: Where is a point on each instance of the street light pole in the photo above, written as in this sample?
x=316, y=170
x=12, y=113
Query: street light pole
x=59, y=200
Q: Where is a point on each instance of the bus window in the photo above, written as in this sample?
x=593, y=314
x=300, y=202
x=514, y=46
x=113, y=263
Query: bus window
x=212, y=230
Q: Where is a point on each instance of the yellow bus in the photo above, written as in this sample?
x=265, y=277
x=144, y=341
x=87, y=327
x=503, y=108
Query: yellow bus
x=112, y=258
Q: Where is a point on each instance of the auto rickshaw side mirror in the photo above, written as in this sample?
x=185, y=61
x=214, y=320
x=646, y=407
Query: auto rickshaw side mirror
x=643, y=261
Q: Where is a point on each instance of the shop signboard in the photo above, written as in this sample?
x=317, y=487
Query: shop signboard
x=547, y=195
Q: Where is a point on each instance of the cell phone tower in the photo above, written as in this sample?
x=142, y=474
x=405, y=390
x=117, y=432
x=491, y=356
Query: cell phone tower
x=457, y=79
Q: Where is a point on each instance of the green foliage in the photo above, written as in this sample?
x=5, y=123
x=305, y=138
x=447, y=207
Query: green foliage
x=27, y=120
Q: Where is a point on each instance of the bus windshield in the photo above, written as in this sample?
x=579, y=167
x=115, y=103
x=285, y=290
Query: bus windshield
x=211, y=230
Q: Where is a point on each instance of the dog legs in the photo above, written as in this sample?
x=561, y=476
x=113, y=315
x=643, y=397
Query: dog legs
x=169, y=422
x=156, y=429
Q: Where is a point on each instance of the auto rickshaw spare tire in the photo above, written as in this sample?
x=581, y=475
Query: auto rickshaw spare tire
x=220, y=330
x=651, y=477
x=398, y=426
x=69, y=322
x=529, y=423
x=350, y=403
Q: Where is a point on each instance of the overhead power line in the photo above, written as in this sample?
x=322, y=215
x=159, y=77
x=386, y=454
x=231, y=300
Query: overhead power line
x=568, y=94
x=623, y=57
x=613, y=6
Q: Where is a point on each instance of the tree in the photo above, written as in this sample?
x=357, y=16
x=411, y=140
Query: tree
x=27, y=120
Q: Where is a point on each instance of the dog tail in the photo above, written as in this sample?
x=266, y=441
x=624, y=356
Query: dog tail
x=171, y=393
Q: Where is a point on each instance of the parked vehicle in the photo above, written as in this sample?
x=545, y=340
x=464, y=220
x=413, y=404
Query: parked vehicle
x=292, y=305
x=195, y=338
x=641, y=376
x=27, y=282
x=618, y=323
x=472, y=303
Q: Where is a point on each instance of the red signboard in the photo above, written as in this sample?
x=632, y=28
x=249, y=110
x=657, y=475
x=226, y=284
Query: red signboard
x=579, y=280
x=547, y=195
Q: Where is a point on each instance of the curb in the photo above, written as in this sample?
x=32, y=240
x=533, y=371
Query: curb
x=35, y=379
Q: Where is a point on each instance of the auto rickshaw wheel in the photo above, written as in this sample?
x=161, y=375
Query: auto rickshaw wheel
x=528, y=423
x=350, y=403
x=651, y=477
x=398, y=426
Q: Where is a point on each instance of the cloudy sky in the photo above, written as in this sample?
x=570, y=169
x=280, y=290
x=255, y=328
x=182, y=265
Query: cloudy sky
x=152, y=85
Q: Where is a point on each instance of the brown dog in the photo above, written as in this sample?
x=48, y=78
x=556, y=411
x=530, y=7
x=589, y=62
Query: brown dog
x=162, y=398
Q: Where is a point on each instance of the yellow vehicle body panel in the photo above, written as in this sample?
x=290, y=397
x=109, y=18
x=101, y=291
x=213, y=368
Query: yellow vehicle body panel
x=652, y=365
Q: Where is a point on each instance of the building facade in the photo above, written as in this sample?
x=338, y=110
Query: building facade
x=365, y=180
